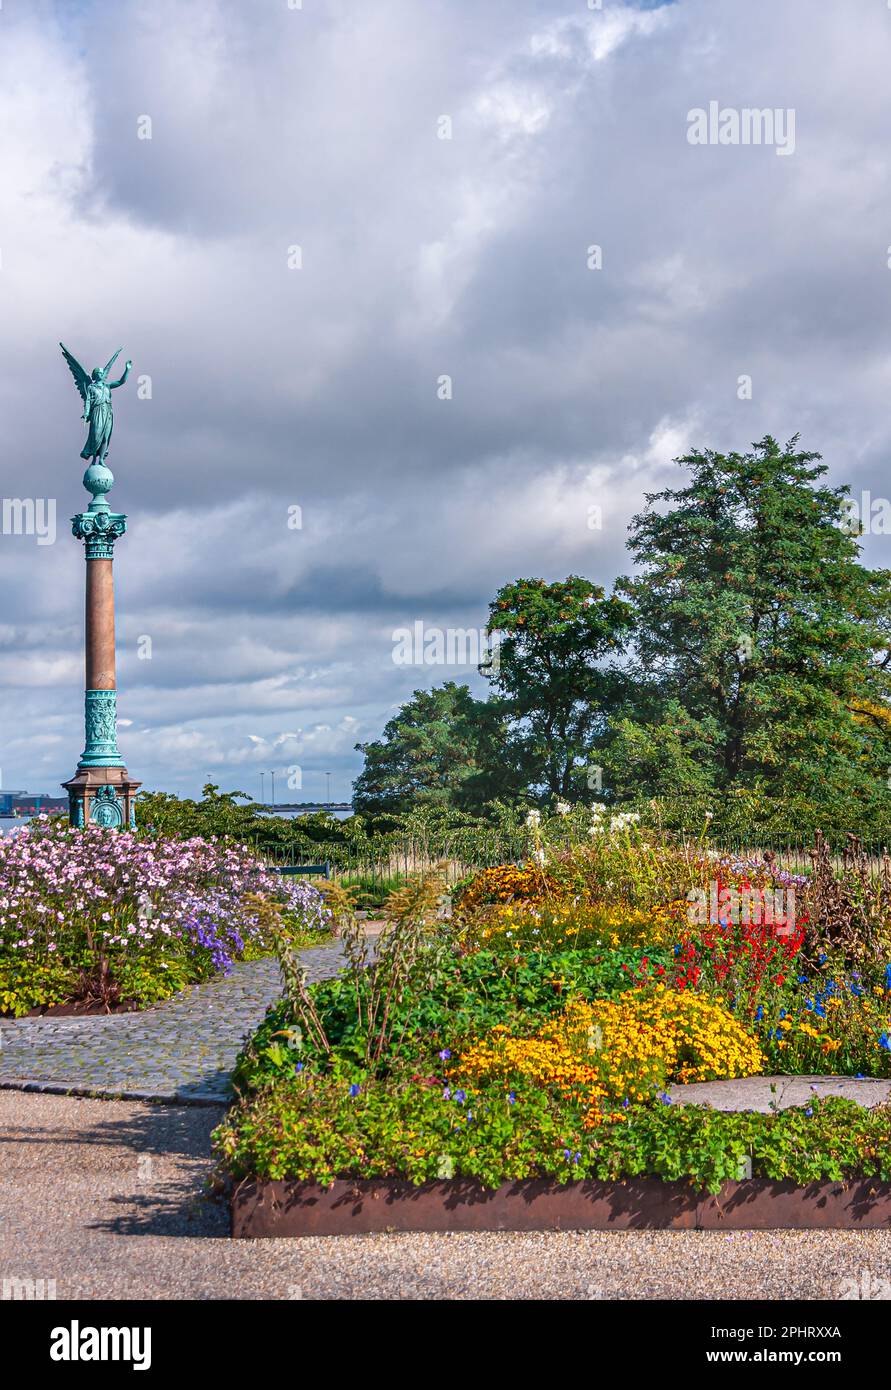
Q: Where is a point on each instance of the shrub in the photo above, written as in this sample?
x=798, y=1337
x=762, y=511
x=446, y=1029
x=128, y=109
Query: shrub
x=121, y=914
x=505, y=883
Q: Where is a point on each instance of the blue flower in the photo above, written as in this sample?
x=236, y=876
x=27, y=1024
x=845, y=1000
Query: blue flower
x=885, y=1042
x=810, y=1110
x=299, y=1067
x=759, y=1012
x=445, y=1054
x=355, y=1089
x=511, y=1098
x=460, y=1097
x=665, y=1098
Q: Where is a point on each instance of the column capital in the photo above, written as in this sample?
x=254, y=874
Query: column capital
x=99, y=530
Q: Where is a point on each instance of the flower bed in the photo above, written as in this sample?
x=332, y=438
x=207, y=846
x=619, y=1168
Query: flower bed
x=103, y=917
x=532, y=1035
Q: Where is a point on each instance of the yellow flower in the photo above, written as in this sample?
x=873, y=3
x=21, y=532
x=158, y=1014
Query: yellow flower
x=615, y=1049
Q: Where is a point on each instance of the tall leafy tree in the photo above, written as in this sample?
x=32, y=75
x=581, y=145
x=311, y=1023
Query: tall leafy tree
x=757, y=620
x=552, y=674
x=444, y=748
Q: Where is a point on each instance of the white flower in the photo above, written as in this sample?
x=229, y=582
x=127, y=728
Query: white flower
x=563, y=808
x=533, y=820
x=538, y=855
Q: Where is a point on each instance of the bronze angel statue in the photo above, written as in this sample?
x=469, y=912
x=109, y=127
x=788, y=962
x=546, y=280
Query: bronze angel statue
x=95, y=391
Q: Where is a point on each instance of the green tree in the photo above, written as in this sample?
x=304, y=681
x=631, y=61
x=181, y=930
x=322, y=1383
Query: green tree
x=549, y=672
x=757, y=620
x=223, y=815
x=443, y=749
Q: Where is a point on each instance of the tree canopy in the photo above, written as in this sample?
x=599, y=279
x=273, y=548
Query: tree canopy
x=745, y=664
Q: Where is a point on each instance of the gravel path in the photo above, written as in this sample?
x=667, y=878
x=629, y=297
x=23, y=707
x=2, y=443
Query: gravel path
x=182, y=1050
x=104, y=1198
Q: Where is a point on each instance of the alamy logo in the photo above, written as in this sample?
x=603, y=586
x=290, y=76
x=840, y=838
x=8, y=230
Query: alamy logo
x=868, y=1286
x=730, y=125
x=28, y=1290
x=76, y=1343
x=29, y=516
x=452, y=646
x=866, y=515
x=750, y=907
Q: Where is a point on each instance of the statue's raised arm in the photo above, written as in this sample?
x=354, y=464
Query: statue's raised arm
x=95, y=392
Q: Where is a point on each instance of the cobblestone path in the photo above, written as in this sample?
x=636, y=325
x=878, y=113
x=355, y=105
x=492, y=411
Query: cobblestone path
x=181, y=1050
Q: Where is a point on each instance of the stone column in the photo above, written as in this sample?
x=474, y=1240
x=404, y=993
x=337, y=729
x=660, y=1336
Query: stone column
x=101, y=792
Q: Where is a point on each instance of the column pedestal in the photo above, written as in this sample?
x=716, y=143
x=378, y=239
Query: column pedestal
x=102, y=796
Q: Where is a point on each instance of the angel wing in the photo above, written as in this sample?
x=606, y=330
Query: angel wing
x=81, y=378
x=110, y=363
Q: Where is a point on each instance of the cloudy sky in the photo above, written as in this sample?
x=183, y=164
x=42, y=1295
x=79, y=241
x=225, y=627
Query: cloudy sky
x=268, y=378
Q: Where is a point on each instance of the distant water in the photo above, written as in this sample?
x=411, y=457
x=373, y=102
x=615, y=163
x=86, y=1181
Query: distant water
x=10, y=824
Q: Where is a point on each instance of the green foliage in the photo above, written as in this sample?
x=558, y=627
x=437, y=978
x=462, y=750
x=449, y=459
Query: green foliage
x=234, y=817
x=40, y=984
x=34, y=984
x=467, y=995
x=217, y=815
x=551, y=678
x=444, y=749
x=763, y=638
x=745, y=669
x=316, y=1127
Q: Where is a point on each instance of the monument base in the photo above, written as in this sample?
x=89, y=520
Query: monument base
x=102, y=796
